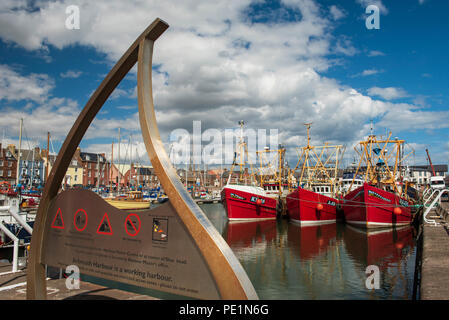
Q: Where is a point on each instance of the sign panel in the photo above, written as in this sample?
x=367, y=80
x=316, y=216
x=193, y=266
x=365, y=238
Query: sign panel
x=150, y=248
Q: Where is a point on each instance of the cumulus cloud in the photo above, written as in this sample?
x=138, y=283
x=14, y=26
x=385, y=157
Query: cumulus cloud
x=220, y=62
x=390, y=93
x=16, y=87
x=71, y=74
x=336, y=12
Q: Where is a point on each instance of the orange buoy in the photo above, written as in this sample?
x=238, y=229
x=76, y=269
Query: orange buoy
x=399, y=245
x=397, y=210
x=319, y=206
x=259, y=202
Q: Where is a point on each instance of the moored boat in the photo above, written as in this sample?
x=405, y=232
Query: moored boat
x=247, y=203
x=383, y=200
x=243, y=201
x=132, y=201
x=310, y=208
x=314, y=202
x=372, y=207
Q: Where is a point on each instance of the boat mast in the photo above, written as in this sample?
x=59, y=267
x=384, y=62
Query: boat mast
x=118, y=164
x=48, y=156
x=112, y=163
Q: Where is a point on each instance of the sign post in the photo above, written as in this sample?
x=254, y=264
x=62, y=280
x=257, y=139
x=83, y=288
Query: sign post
x=173, y=248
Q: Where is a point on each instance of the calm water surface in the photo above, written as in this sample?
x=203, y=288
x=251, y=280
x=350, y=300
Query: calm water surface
x=286, y=261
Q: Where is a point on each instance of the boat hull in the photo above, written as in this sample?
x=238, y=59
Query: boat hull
x=243, y=206
x=302, y=206
x=129, y=205
x=371, y=207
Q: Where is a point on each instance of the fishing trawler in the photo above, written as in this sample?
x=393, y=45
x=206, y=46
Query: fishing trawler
x=382, y=200
x=243, y=200
x=315, y=200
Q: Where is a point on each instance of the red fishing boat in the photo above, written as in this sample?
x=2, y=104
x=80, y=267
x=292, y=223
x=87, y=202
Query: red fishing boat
x=310, y=208
x=371, y=207
x=314, y=202
x=242, y=199
x=383, y=200
x=247, y=203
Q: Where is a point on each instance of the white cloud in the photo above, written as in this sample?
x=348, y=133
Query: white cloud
x=390, y=93
x=382, y=8
x=15, y=87
x=375, y=53
x=216, y=66
x=368, y=72
x=71, y=74
x=336, y=12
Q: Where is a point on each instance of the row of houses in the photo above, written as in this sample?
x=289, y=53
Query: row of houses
x=93, y=169
x=85, y=169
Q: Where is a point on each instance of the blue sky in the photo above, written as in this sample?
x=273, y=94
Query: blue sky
x=276, y=64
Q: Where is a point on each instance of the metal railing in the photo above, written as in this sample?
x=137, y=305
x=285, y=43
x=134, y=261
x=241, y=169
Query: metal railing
x=13, y=237
x=432, y=205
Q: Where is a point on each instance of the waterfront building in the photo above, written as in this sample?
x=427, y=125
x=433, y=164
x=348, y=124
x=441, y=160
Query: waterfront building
x=8, y=165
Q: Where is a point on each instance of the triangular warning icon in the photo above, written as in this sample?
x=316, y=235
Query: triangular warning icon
x=58, y=222
x=105, y=226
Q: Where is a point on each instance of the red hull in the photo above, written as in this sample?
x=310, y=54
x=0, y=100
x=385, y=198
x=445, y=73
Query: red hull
x=313, y=240
x=240, y=205
x=371, y=207
x=380, y=247
x=302, y=207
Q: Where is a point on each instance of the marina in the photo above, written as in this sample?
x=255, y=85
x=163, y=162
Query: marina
x=307, y=175
x=288, y=262
x=308, y=233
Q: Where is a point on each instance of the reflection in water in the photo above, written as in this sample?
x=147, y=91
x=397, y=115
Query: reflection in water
x=286, y=261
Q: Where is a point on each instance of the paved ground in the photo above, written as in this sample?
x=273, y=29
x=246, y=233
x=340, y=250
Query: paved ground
x=435, y=259
x=13, y=287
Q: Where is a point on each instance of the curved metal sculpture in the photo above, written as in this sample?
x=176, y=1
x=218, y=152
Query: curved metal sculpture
x=230, y=278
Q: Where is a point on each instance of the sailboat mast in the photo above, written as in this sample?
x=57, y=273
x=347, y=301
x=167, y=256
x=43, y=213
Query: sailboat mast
x=112, y=163
x=118, y=164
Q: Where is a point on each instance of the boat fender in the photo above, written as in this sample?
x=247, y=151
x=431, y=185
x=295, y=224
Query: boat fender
x=397, y=210
x=319, y=207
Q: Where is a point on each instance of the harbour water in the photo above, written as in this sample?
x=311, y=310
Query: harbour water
x=286, y=261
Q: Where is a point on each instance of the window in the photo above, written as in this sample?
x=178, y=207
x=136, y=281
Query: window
x=1, y=172
x=10, y=164
x=76, y=169
x=76, y=177
x=88, y=174
x=1, y=163
x=9, y=173
x=88, y=166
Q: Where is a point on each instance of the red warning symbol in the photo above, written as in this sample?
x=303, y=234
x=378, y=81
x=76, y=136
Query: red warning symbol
x=105, y=226
x=132, y=224
x=58, y=222
x=80, y=220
